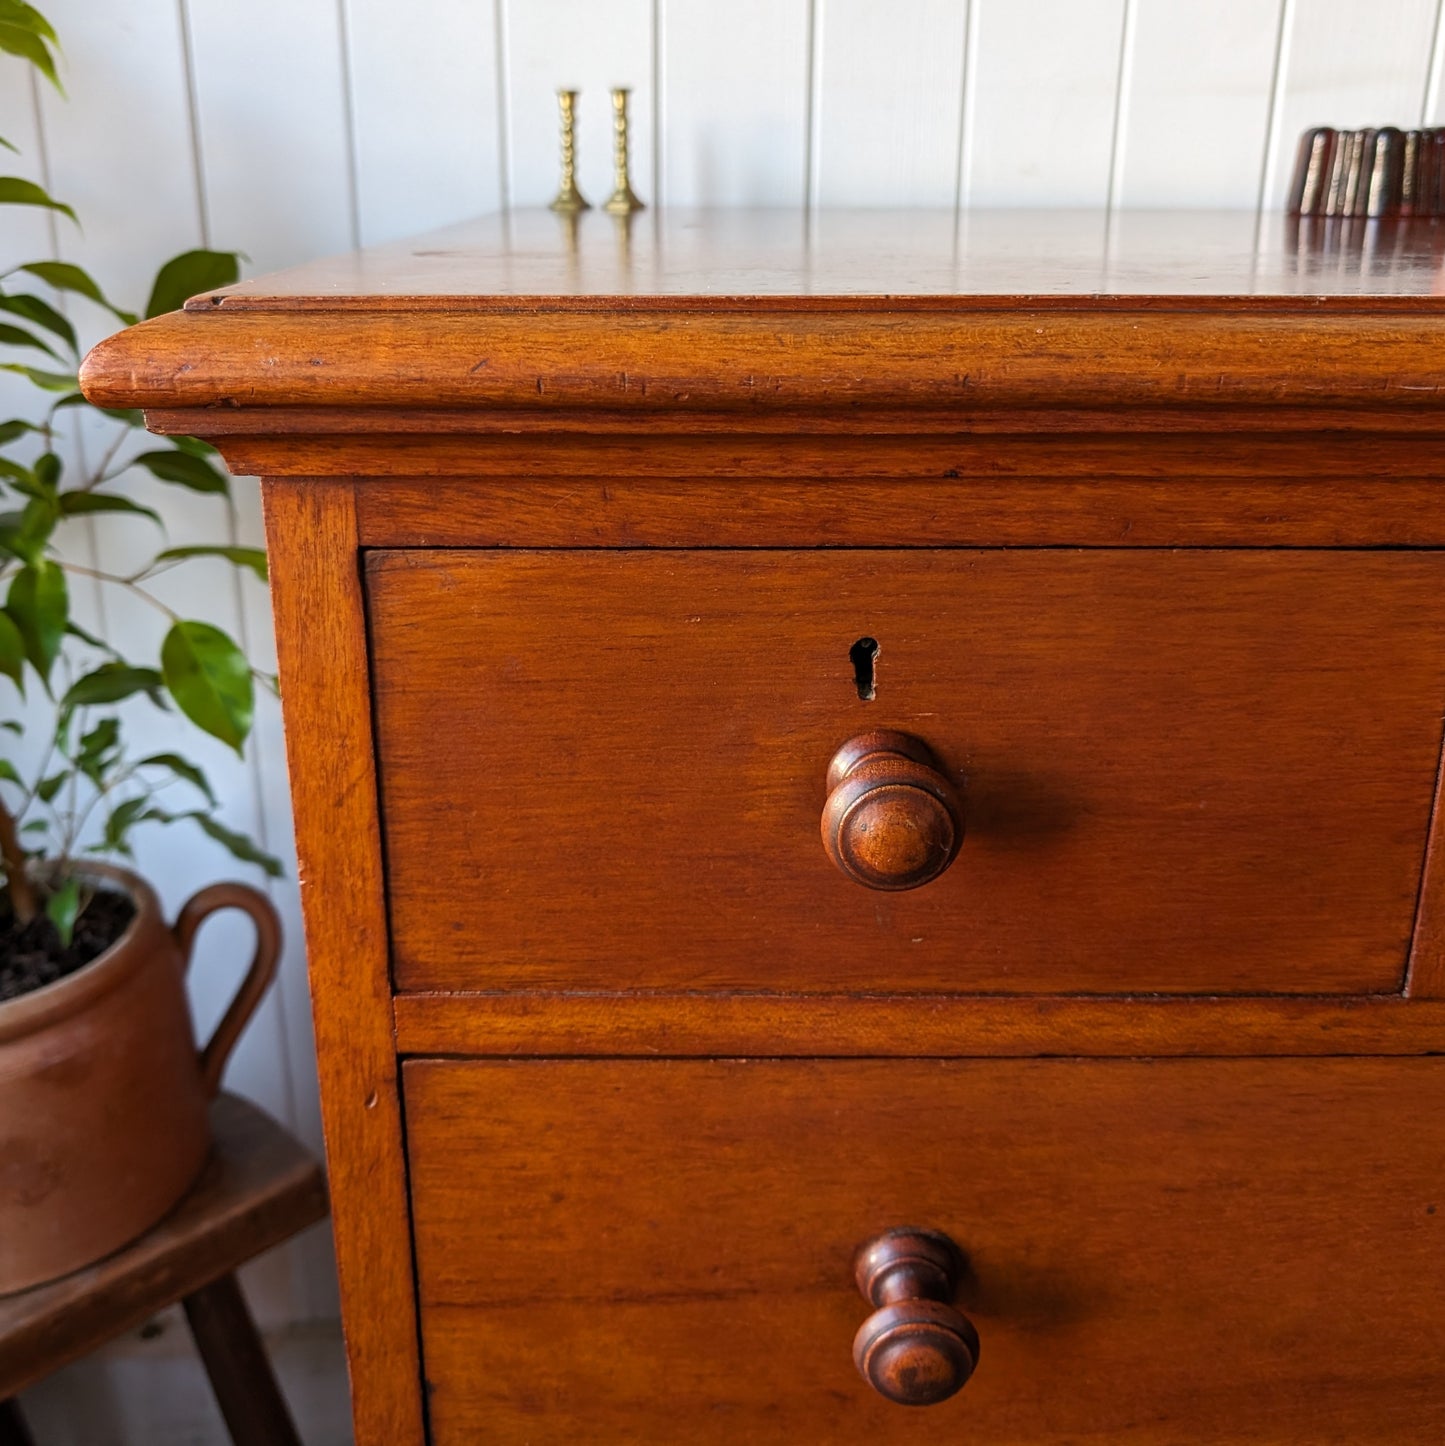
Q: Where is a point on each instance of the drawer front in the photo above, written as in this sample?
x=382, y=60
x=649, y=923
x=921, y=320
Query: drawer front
x=662, y=1251
x=1179, y=771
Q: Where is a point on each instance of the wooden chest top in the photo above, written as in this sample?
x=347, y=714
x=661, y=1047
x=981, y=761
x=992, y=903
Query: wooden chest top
x=777, y=321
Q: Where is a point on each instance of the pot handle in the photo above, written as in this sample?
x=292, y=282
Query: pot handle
x=258, y=976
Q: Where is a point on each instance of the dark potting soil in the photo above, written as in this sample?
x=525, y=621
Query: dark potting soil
x=32, y=956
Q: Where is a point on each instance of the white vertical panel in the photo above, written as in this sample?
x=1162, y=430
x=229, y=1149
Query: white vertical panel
x=425, y=102
x=279, y=186
x=734, y=103
x=1196, y=117
x=122, y=146
x=1041, y=113
x=273, y=119
x=27, y=230
x=583, y=46
x=1432, y=104
x=888, y=109
x=26, y=233
x=1349, y=63
x=29, y=234
x=119, y=146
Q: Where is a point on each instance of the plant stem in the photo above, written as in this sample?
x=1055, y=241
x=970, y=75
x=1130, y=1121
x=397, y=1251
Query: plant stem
x=99, y=474
x=119, y=581
x=22, y=891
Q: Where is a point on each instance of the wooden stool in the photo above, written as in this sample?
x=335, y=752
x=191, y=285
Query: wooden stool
x=259, y=1188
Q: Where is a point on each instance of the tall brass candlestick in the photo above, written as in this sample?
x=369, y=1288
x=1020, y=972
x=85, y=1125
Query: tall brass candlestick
x=568, y=197
x=623, y=199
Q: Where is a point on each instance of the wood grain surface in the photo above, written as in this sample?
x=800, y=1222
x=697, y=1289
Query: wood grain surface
x=707, y=259
x=1101, y=494
x=750, y=364
x=585, y=510
x=1162, y=1252
x=1185, y=772
x=517, y=1022
x=788, y=320
x=321, y=643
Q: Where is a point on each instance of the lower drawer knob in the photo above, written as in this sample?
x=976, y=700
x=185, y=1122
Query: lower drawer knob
x=916, y=1348
x=892, y=819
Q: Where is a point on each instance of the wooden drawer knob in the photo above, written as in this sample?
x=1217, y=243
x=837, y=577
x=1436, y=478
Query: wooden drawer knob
x=892, y=819
x=916, y=1348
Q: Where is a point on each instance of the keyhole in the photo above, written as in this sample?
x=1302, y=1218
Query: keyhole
x=863, y=655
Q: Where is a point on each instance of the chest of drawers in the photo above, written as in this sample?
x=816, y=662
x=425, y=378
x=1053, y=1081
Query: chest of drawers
x=864, y=789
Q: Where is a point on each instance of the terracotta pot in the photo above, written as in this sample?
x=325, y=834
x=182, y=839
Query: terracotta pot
x=103, y=1094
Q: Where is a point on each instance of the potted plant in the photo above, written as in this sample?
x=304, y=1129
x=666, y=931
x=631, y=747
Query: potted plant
x=103, y=1093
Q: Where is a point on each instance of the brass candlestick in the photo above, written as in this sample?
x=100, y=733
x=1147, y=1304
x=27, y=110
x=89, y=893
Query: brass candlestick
x=623, y=200
x=568, y=197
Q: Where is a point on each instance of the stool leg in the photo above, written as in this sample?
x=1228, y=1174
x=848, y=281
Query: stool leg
x=235, y=1360
x=13, y=1430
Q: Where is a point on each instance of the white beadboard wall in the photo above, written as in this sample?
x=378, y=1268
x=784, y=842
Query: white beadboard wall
x=287, y=129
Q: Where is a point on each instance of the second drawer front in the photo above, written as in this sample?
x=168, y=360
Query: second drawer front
x=1204, y=771
x=1189, y=1251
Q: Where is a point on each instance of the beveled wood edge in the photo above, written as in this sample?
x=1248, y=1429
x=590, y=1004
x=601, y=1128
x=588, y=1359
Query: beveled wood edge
x=755, y=363
x=238, y=297
x=898, y=513
x=322, y=650
x=1425, y=971
x=963, y=1026
x=69, y=1318
x=373, y=440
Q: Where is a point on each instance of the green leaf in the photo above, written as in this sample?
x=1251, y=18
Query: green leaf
x=122, y=818
x=18, y=336
x=99, y=750
x=208, y=676
x=252, y=557
x=12, y=651
x=81, y=504
x=26, y=533
x=66, y=276
x=16, y=427
x=39, y=605
x=37, y=482
x=9, y=145
x=9, y=773
x=101, y=739
x=109, y=683
x=33, y=309
x=47, y=471
x=182, y=769
x=16, y=191
x=47, y=788
x=17, y=12
x=189, y=274
x=61, y=908
x=185, y=470
x=237, y=844
x=12, y=537
x=131, y=416
x=74, y=630
x=51, y=381
x=26, y=41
